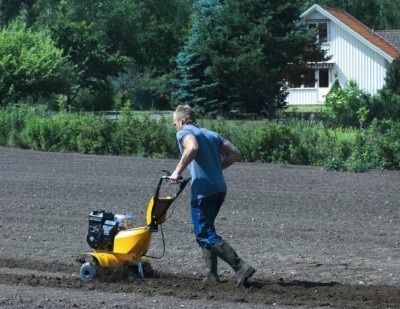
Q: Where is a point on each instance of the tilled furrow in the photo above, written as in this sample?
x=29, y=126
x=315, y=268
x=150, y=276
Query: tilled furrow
x=54, y=274
x=50, y=266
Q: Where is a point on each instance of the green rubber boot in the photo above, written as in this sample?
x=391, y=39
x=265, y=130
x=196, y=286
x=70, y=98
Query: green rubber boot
x=243, y=270
x=211, y=262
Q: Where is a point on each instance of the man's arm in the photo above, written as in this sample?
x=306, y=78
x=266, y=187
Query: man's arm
x=190, y=148
x=230, y=154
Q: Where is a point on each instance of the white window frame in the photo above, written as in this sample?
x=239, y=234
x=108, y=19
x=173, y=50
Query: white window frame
x=316, y=23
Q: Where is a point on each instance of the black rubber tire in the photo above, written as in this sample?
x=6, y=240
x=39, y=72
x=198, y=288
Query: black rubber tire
x=87, y=272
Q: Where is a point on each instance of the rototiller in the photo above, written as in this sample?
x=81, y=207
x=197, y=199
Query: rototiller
x=117, y=243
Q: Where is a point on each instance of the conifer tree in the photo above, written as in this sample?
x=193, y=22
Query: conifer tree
x=238, y=55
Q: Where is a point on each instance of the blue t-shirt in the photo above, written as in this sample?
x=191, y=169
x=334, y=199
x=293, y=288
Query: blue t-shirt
x=206, y=168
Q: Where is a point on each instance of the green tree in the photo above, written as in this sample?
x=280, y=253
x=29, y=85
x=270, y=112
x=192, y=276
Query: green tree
x=386, y=104
x=46, y=13
x=389, y=15
x=149, y=32
x=85, y=46
x=392, y=79
x=192, y=85
x=160, y=33
x=10, y=9
x=31, y=65
x=239, y=53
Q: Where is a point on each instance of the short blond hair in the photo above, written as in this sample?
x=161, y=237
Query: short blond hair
x=186, y=113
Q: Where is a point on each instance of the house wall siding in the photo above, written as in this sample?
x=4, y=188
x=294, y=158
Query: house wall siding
x=354, y=60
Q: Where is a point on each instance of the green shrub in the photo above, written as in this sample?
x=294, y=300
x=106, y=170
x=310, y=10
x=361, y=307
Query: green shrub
x=143, y=136
x=12, y=122
x=271, y=143
x=342, y=106
x=310, y=147
x=32, y=132
x=355, y=161
x=384, y=105
x=94, y=134
x=292, y=142
x=157, y=138
x=389, y=144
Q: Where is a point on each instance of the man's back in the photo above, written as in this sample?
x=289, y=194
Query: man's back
x=205, y=169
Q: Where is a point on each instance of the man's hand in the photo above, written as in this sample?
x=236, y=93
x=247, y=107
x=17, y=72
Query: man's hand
x=175, y=177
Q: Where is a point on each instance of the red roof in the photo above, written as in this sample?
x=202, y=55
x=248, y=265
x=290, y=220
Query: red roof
x=364, y=31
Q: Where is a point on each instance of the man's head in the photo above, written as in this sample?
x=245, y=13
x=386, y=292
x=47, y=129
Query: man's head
x=182, y=116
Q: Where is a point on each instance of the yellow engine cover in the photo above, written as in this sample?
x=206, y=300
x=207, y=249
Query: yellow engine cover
x=135, y=241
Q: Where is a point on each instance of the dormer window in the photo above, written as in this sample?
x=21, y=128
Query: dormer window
x=322, y=36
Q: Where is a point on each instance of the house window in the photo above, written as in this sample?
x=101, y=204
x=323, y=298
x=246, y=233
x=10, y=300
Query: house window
x=302, y=78
x=322, y=36
x=323, y=79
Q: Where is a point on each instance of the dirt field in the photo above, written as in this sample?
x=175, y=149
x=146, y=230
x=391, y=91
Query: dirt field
x=317, y=239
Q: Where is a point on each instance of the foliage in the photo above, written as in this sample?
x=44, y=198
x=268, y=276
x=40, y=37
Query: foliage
x=132, y=134
x=85, y=46
x=192, y=85
x=220, y=67
x=12, y=123
x=236, y=63
x=143, y=136
x=352, y=106
x=347, y=106
x=31, y=65
x=385, y=144
x=10, y=9
x=293, y=142
x=271, y=143
x=232, y=63
x=385, y=105
x=150, y=33
x=99, y=36
x=392, y=79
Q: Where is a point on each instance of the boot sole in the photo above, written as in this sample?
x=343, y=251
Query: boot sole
x=250, y=272
x=211, y=280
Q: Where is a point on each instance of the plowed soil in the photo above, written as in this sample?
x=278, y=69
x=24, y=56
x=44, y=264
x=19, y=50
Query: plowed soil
x=317, y=239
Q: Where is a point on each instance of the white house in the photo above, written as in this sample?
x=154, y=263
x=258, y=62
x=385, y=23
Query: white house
x=357, y=53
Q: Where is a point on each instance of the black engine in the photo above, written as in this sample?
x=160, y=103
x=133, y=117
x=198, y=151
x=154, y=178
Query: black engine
x=102, y=230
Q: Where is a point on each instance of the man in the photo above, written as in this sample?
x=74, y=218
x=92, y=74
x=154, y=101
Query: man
x=206, y=154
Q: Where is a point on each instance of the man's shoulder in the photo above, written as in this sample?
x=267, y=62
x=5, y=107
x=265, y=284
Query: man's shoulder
x=196, y=131
x=189, y=129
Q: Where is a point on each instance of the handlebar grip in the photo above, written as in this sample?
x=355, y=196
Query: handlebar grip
x=169, y=177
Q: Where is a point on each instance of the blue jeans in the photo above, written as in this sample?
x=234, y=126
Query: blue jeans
x=204, y=211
